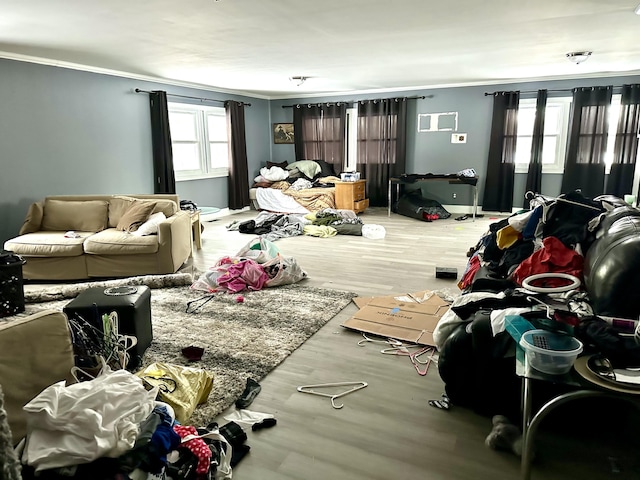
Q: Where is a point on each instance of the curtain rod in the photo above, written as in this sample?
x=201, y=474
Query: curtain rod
x=138, y=90
x=353, y=101
x=555, y=90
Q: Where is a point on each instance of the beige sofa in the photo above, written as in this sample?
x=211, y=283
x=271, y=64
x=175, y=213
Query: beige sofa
x=100, y=250
x=35, y=352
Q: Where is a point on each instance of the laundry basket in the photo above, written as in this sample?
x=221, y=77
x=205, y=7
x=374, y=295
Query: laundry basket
x=11, y=284
x=549, y=352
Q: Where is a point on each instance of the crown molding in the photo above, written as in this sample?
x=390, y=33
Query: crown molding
x=117, y=73
x=289, y=96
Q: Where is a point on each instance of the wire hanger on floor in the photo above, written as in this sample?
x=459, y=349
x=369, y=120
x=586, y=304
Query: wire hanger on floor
x=308, y=389
x=413, y=356
x=194, y=305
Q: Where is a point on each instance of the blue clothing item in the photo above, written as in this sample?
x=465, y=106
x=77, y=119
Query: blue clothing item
x=163, y=441
x=529, y=231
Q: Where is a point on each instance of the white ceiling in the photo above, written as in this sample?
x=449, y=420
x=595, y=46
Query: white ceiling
x=254, y=46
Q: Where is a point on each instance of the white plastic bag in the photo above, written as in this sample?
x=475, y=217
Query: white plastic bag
x=374, y=232
x=283, y=271
x=259, y=250
x=79, y=423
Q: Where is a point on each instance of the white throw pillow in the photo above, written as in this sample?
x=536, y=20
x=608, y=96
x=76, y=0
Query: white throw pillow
x=151, y=225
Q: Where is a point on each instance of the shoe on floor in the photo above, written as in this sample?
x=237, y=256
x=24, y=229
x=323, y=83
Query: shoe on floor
x=251, y=391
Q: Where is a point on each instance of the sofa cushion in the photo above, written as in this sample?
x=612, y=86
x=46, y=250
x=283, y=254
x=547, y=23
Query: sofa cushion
x=47, y=244
x=117, y=206
x=135, y=215
x=164, y=205
x=84, y=216
x=150, y=227
x=115, y=242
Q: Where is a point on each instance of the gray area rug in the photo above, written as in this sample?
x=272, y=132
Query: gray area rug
x=241, y=340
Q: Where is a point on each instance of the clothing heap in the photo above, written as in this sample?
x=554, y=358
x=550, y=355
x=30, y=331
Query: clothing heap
x=112, y=428
x=550, y=238
x=324, y=223
x=477, y=354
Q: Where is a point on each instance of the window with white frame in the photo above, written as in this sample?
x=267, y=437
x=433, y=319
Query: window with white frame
x=556, y=125
x=555, y=133
x=199, y=141
x=351, y=145
x=614, y=113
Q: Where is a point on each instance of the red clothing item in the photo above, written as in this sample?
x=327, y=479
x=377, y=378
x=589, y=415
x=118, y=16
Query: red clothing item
x=553, y=257
x=469, y=274
x=197, y=446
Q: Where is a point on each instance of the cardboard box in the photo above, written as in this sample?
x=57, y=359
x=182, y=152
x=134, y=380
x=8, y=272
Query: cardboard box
x=411, y=321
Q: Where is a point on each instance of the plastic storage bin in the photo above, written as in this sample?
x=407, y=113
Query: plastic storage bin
x=549, y=352
x=11, y=284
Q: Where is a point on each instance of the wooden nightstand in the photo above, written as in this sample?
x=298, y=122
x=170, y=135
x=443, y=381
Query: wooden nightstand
x=351, y=196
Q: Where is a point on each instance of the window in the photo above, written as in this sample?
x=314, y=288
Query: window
x=351, y=145
x=199, y=141
x=556, y=124
x=614, y=113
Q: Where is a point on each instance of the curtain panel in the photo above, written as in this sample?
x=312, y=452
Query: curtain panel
x=320, y=132
x=238, y=179
x=534, y=174
x=382, y=145
x=589, y=125
x=498, y=186
x=164, y=176
x=625, y=150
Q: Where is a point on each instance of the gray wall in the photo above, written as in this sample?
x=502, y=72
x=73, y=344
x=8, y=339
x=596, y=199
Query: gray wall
x=433, y=152
x=64, y=131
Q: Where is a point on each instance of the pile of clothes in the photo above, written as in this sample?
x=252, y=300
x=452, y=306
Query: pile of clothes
x=112, y=428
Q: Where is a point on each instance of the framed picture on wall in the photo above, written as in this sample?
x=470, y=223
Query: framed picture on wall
x=283, y=133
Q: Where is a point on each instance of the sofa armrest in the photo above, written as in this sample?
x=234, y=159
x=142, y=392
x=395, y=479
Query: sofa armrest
x=174, y=241
x=33, y=220
x=35, y=352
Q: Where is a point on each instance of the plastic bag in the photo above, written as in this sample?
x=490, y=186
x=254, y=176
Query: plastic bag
x=283, y=271
x=79, y=423
x=259, y=250
x=184, y=388
x=374, y=232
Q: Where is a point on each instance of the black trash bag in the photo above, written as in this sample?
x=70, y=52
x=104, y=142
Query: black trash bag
x=413, y=204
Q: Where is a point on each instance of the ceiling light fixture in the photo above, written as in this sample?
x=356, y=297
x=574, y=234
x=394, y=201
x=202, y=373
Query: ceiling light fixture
x=578, y=57
x=299, y=79
x=637, y=10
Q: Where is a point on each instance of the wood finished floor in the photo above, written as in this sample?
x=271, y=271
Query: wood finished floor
x=387, y=430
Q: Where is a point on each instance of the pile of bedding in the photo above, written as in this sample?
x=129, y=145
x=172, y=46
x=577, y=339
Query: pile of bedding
x=300, y=187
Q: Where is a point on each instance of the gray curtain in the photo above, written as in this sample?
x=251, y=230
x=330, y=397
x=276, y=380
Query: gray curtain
x=238, y=180
x=382, y=145
x=534, y=174
x=498, y=186
x=320, y=132
x=164, y=176
x=625, y=150
x=589, y=126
